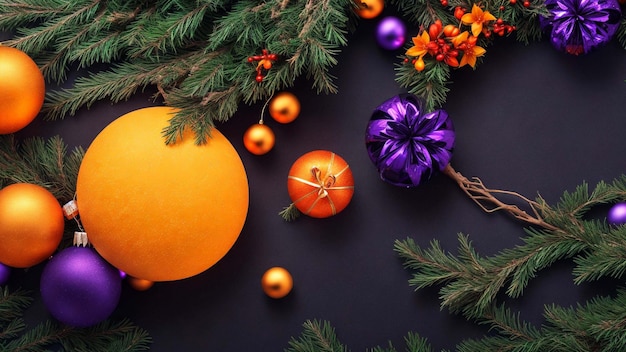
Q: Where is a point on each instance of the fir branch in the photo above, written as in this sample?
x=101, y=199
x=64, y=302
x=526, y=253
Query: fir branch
x=430, y=84
x=42, y=162
x=290, y=213
x=317, y=336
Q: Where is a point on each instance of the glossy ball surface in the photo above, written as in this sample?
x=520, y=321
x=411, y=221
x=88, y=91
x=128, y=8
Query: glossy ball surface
x=31, y=225
x=277, y=282
x=617, y=214
x=368, y=9
x=22, y=90
x=259, y=139
x=284, y=107
x=391, y=33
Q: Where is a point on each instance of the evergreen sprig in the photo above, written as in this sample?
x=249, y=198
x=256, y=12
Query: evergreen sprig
x=44, y=162
x=193, y=54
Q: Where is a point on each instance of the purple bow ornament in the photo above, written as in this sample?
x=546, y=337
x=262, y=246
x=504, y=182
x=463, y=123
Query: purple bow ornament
x=578, y=26
x=407, y=145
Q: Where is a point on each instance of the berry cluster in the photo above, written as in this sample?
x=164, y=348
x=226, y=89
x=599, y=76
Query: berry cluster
x=265, y=61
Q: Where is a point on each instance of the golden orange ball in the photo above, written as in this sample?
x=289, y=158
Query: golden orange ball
x=284, y=107
x=369, y=9
x=139, y=284
x=31, y=225
x=259, y=139
x=277, y=282
x=320, y=184
x=22, y=90
x=161, y=212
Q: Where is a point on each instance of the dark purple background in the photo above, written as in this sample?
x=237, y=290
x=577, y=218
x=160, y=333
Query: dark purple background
x=528, y=119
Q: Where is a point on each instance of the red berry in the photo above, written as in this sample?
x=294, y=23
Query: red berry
x=444, y=2
x=259, y=78
x=526, y=4
x=440, y=57
x=458, y=12
x=501, y=8
x=512, y=2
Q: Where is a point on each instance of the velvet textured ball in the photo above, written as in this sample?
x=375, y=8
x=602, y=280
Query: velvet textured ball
x=79, y=288
x=578, y=26
x=390, y=33
x=407, y=145
x=617, y=214
x=5, y=273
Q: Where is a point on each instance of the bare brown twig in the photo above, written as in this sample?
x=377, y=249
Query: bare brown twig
x=487, y=200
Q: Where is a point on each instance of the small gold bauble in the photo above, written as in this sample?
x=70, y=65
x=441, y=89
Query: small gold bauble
x=139, y=284
x=277, y=282
x=259, y=139
x=284, y=107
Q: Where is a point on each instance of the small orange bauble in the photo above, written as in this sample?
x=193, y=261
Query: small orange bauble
x=22, y=90
x=139, y=284
x=31, y=225
x=259, y=139
x=284, y=107
x=161, y=212
x=277, y=282
x=320, y=184
x=369, y=9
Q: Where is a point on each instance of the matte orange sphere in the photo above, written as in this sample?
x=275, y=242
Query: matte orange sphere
x=369, y=9
x=31, y=225
x=284, y=107
x=259, y=139
x=277, y=282
x=161, y=212
x=22, y=90
x=320, y=184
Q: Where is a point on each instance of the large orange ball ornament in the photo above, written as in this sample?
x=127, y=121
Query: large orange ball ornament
x=161, y=212
x=22, y=90
x=259, y=139
x=369, y=9
x=284, y=107
x=31, y=225
x=320, y=184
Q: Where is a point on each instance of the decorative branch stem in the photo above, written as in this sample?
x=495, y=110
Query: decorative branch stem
x=487, y=200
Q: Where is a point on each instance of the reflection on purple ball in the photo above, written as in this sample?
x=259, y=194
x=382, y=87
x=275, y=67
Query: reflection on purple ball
x=390, y=33
x=5, y=272
x=79, y=288
x=617, y=214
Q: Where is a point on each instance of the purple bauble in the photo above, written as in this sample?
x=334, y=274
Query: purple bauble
x=390, y=33
x=79, y=288
x=617, y=214
x=5, y=272
x=578, y=26
x=407, y=145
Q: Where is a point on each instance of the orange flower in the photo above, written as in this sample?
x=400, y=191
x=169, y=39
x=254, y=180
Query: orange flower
x=477, y=18
x=471, y=52
x=420, y=45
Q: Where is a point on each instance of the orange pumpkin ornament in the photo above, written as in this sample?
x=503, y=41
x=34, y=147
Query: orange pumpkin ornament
x=22, y=90
x=320, y=184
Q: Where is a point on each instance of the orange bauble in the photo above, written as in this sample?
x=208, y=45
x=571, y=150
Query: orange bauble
x=320, y=184
x=284, y=107
x=31, y=225
x=22, y=90
x=161, y=212
x=369, y=9
x=259, y=139
x=277, y=282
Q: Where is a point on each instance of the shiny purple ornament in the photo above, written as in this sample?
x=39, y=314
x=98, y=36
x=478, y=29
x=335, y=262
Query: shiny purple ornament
x=578, y=26
x=617, y=214
x=79, y=288
x=390, y=33
x=407, y=145
x=5, y=273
